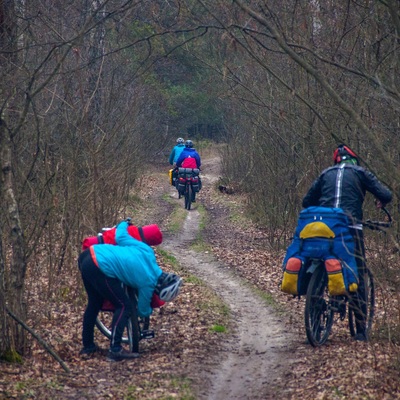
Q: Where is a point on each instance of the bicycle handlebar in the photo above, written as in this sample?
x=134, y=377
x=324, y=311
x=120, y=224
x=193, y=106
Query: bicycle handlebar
x=377, y=225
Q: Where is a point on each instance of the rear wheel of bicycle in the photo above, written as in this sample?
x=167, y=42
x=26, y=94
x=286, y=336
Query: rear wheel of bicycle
x=370, y=303
x=132, y=333
x=188, y=196
x=133, y=327
x=103, y=323
x=318, y=314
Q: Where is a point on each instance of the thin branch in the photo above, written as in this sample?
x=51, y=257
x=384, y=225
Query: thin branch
x=324, y=83
x=40, y=340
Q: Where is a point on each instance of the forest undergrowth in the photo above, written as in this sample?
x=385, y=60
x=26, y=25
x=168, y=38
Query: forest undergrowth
x=167, y=368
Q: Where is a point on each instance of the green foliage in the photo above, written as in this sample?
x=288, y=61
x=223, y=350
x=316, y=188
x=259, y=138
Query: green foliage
x=12, y=356
x=218, y=329
x=177, y=217
x=195, y=280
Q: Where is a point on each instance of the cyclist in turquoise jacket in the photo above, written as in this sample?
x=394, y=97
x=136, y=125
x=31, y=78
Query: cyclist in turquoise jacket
x=103, y=268
x=176, y=151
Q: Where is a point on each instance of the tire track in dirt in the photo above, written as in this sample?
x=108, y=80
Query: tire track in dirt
x=255, y=357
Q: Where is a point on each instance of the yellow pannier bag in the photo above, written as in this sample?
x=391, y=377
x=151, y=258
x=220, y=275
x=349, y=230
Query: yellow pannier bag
x=336, y=285
x=170, y=176
x=291, y=276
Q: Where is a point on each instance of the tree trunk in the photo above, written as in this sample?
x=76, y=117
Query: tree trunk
x=12, y=337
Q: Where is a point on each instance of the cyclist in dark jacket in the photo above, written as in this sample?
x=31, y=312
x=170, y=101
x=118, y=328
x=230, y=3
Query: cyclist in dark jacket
x=344, y=186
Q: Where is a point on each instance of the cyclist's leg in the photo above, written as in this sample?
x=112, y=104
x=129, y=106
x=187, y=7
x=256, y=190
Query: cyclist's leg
x=359, y=300
x=99, y=287
x=123, y=311
x=95, y=300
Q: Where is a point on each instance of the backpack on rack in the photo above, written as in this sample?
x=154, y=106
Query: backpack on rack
x=321, y=233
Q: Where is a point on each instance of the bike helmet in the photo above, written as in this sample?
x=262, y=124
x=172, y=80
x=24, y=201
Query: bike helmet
x=180, y=140
x=168, y=286
x=344, y=153
x=189, y=143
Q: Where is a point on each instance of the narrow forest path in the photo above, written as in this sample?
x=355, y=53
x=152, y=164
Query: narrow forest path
x=254, y=358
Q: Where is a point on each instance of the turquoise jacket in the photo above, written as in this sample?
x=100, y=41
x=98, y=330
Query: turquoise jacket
x=175, y=153
x=132, y=262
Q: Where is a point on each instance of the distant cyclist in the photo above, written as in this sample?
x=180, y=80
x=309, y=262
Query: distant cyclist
x=344, y=186
x=190, y=158
x=173, y=157
x=103, y=268
x=176, y=151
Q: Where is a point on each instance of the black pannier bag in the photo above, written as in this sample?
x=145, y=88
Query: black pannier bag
x=188, y=173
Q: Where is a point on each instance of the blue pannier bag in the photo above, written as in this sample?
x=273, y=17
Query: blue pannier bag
x=321, y=233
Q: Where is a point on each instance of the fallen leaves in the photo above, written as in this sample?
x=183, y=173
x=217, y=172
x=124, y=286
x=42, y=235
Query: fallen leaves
x=341, y=369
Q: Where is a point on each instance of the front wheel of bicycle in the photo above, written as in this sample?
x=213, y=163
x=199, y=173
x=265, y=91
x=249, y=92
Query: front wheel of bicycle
x=356, y=303
x=318, y=314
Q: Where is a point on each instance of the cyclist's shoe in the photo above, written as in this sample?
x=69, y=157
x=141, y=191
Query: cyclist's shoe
x=361, y=337
x=121, y=355
x=87, y=351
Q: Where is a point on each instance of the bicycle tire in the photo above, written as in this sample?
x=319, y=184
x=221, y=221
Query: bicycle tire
x=188, y=196
x=133, y=328
x=103, y=323
x=370, y=296
x=132, y=332
x=318, y=314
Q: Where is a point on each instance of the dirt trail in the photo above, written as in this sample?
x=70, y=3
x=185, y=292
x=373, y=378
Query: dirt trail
x=255, y=357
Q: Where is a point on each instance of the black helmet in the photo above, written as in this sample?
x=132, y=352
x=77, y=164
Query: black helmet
x=179, y=140
x=189, y=144
x=344, y=153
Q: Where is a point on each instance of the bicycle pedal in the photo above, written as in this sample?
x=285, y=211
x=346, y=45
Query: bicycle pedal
x=148, y=334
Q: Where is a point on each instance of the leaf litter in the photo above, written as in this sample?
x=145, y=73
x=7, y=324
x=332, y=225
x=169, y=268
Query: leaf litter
x=186, y=351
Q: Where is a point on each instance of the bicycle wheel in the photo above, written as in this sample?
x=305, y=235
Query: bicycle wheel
x=318, y=314
x=103, y=323
x=133, y=327
x=369, y=287
x=132, y=333
x=188, y=196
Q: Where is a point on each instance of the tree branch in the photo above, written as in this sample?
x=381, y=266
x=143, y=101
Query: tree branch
x=40, y=340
